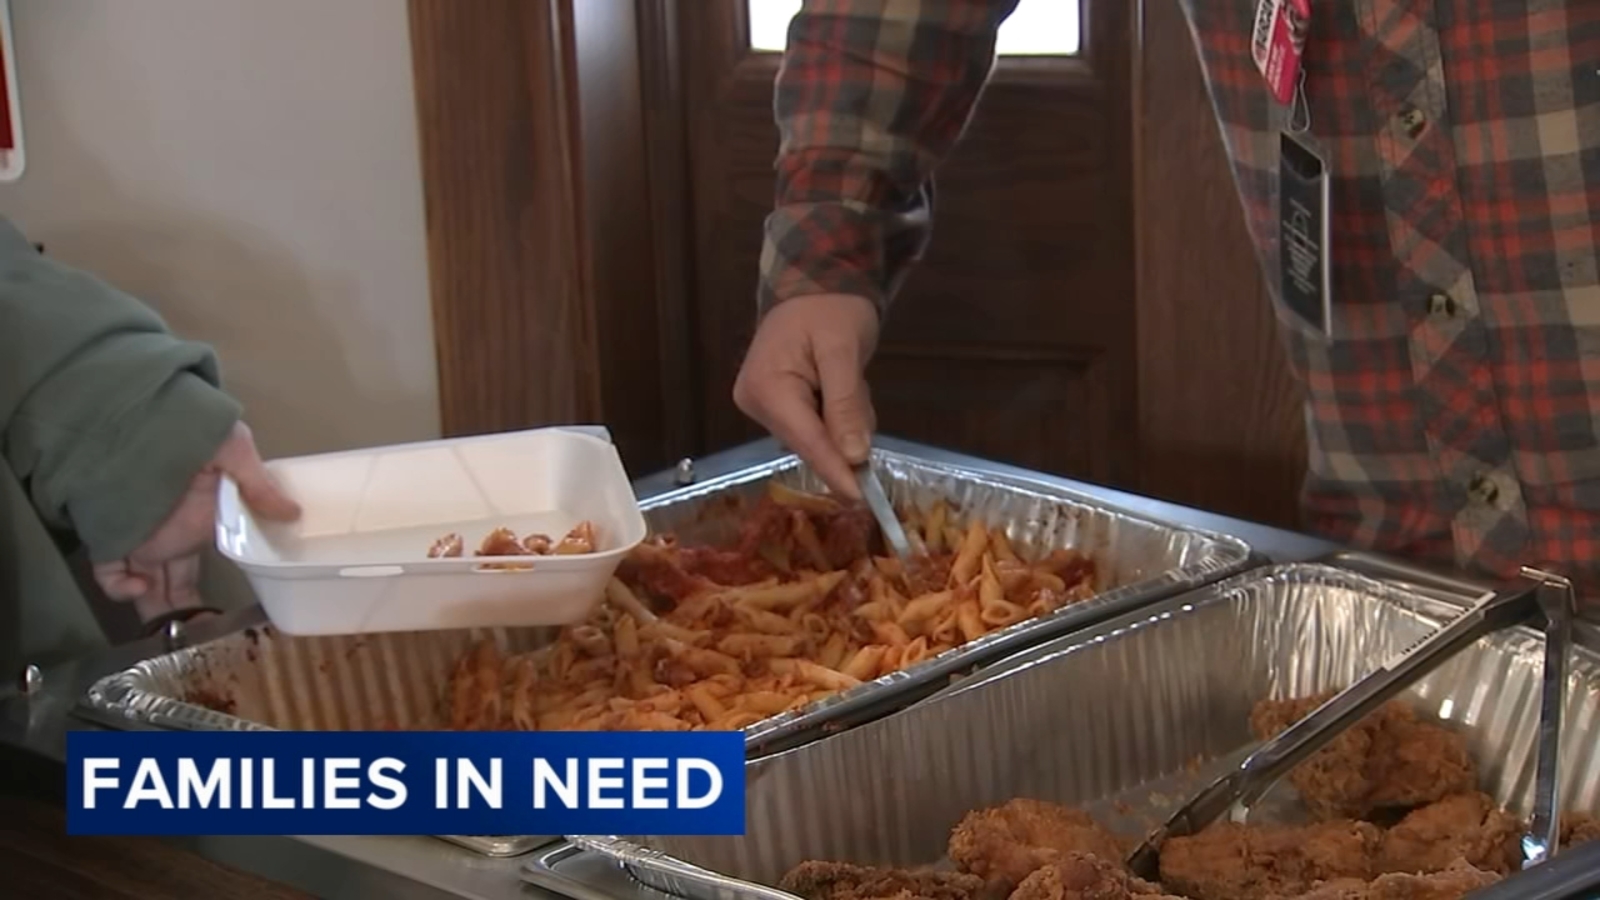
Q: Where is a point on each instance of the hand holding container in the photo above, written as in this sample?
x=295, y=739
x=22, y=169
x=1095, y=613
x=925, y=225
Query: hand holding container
x=357, y=559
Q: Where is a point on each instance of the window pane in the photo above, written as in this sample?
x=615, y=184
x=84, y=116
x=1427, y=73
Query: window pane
x=1037, y=28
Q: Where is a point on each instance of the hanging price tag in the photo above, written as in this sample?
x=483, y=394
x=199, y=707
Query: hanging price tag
x=1278, y=44
x=11, y=155
x=1305, y=277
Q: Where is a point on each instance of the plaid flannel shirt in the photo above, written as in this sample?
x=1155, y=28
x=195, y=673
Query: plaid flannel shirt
x=1456, y=415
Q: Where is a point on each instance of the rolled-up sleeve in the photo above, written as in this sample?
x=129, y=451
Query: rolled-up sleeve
x=871, y=97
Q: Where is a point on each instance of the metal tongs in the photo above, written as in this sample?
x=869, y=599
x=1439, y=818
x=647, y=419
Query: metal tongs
x=1541, y=595
x=878, y=501
x=1559, y=605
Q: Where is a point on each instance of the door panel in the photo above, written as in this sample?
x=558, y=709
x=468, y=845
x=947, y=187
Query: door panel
x=997, y=402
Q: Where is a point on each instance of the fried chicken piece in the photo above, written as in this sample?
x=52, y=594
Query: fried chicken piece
x=1466, y=826
x=1007, y=843
x=1389, y=760
x=816, y=880
x=1578, y=828
x=1418, y=762
x=1453, y=883
x=1228, y=861
x=1083, y=876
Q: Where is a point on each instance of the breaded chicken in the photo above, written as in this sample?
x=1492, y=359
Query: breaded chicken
x=1007, y=843
x=816, y=880
x=1083, y=876
x=1466, y=826
x=1228, y=861
x=1388, y=760
x=1453, y=883
x=1578, y=828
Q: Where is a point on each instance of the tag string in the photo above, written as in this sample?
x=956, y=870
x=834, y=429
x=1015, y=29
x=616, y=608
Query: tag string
x=1299, y=109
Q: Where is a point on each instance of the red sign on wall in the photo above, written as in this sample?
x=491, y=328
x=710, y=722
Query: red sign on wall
x=11, y=156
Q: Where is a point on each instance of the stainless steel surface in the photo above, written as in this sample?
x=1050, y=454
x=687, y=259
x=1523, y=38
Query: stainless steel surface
x=1558, y=604
x=33, y=729
x=670, y=875
x=684, y=473
x=573, y=871
x=1239, y=789
x=878, y=501
x=544, y=870
x=1181, y=678
x=359, y=868
x=592, y=872
x=174, y=634
x=504, y=846
x=31, y=681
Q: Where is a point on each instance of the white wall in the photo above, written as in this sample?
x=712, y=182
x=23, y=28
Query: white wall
x=249, y=168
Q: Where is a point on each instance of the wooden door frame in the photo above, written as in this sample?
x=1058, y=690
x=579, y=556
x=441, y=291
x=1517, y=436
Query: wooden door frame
x=1222, y=431
x=553, y=300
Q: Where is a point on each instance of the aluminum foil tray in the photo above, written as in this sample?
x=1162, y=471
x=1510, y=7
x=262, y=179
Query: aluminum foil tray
x=1125, y=719
x=263, y=679
x=1140, y=561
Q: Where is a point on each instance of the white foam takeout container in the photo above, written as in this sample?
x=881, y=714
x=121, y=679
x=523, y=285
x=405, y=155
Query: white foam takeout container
x=357, y=559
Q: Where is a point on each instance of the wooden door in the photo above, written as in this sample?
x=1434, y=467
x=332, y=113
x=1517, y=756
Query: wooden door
x=596, y=173
x=1015, y=338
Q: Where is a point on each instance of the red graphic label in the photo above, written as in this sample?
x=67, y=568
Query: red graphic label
x=8, y=138
x=1279, y=43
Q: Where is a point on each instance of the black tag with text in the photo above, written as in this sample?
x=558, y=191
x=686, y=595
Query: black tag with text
x=1303, y=195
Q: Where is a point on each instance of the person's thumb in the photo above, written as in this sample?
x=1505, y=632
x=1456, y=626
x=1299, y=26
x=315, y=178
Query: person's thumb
x=260, y=491
x=118, y=583
x=846, y=405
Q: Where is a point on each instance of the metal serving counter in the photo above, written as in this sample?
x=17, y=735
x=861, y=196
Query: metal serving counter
x=33, y=728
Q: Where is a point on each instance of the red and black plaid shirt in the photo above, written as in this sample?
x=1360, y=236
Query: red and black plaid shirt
x=1456, y=416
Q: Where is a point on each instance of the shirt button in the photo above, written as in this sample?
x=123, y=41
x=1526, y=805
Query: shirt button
x=1442, y=305
x=1483, y=490
x=1413, y=120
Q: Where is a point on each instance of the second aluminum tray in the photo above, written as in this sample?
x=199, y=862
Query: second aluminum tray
x=1126, y=720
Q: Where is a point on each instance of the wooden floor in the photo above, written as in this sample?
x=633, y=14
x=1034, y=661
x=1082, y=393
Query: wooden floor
x=39, y=861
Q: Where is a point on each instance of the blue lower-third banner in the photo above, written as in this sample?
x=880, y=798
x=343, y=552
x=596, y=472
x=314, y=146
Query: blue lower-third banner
x=425, y=782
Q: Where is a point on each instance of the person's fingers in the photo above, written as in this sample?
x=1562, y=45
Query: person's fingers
x=846, y=403
x=804, y=347
x=183, y=581
x=174, y=584
x=258, y=488
x=785, y=404
x=118, y=583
